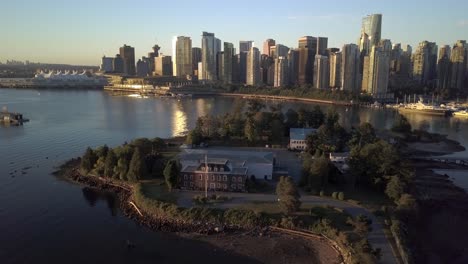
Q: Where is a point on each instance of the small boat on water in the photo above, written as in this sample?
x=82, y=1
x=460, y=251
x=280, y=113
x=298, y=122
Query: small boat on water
x=421, y=107
x=463, y=113
x=11, y=118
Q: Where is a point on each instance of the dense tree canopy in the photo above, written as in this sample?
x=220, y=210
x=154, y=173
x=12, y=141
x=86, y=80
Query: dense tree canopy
x=288, y=195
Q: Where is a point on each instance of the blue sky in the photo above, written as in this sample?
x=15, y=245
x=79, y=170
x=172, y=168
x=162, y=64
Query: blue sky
x=80, y=32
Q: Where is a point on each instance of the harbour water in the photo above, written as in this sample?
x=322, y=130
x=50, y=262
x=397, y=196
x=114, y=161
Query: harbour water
x=47, y=220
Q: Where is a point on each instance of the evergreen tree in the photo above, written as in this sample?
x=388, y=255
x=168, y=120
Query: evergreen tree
x=88, y=160
x=171, y=174
x=319, y=173
x=110, y=164
x=288, y=195
x=137, y=169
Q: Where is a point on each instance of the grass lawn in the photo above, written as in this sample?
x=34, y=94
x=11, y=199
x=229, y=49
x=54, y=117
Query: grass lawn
x=157, y=190
x=369, y=199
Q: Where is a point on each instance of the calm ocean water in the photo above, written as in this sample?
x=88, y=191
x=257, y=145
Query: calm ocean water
x=46, y=220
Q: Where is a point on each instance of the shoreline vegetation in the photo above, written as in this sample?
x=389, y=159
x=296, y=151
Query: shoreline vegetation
x=386, y=164
x=204, y=223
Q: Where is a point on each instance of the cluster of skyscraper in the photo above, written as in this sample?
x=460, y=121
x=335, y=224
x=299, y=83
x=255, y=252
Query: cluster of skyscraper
x=365, y=67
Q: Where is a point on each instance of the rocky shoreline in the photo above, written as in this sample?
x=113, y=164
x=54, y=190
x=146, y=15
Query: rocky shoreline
x=260, y=243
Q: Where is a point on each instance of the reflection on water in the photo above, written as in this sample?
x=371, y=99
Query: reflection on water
x=459, y=177
x=37, y=208
x=92, y=196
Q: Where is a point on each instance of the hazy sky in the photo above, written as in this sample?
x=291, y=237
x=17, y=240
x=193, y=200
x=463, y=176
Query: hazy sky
x=80, y=32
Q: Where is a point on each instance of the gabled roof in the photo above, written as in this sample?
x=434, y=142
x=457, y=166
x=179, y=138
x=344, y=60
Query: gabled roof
x=300, y=133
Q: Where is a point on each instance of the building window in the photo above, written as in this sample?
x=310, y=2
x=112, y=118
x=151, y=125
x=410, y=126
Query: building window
x=219, y=177
x=233, y=186
x=212, y=185
x=240, y=186
x=213, y=178
x=185, y=184
x=200, y=177
x=218, y=185
x=225, y=186
x=185, y=176
x=224, y=177
x=191, y=177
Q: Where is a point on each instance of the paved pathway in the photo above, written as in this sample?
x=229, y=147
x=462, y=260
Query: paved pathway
x=376, y=237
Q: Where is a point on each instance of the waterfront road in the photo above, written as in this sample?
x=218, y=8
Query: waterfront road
x=376, y=237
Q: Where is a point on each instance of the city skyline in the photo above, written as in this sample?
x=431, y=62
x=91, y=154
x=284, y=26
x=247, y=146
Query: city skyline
x=47, y=31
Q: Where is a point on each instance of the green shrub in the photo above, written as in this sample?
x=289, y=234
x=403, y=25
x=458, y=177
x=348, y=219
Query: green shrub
x=322, y=193
x=341, y=196
x=335, y=195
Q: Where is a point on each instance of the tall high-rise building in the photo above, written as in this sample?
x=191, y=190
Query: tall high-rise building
x=281, y=72
x=349, y=75
x=307, y=51
x=210, y=48
x=242, y=61
x=372, y=27
x=293, y=65
x=128, y=55
x=182, y=56
x=119, y=64
x=335, y=69
x=107, y=64
x=459, y=60
x=377, y=68
x=228, y=59
x=220, y=66
x=253, y=67
x=322, y=46
x=151, y=55
x=196, y=58
x=424, y=62
x=163, y=65
x=278, y=51
x=245, y=45
x=267, y=46
x=321, y=72
x=267, y=65
x=443, y=68
x=142, y=67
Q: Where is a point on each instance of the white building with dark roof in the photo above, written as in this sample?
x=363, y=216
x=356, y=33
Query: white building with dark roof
x=298, y=136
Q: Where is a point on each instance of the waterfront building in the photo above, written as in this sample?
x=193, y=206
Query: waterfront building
x=267, y=69
x=228, y=61
x=293, y=61
x=242, y=67
x=335, y=69
x=151, y=56
x=223, y=170
x=253, y=67
x=377, y=69
x=307, y=51
x=321, y=72
x=372, y=27
x=182, y=56
x=142, y=67
x=118, y=64
x=459, y=69
x=281, y=72
x=424, y=62
x=443, y=68
x=107, y=64
x=245, y=45
x=196, y=58
x=267, y=46
x=210, y=48
x=128, y=55
x=163, y=65
x=220, y=66
x=350, y=77
x=322, y=46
